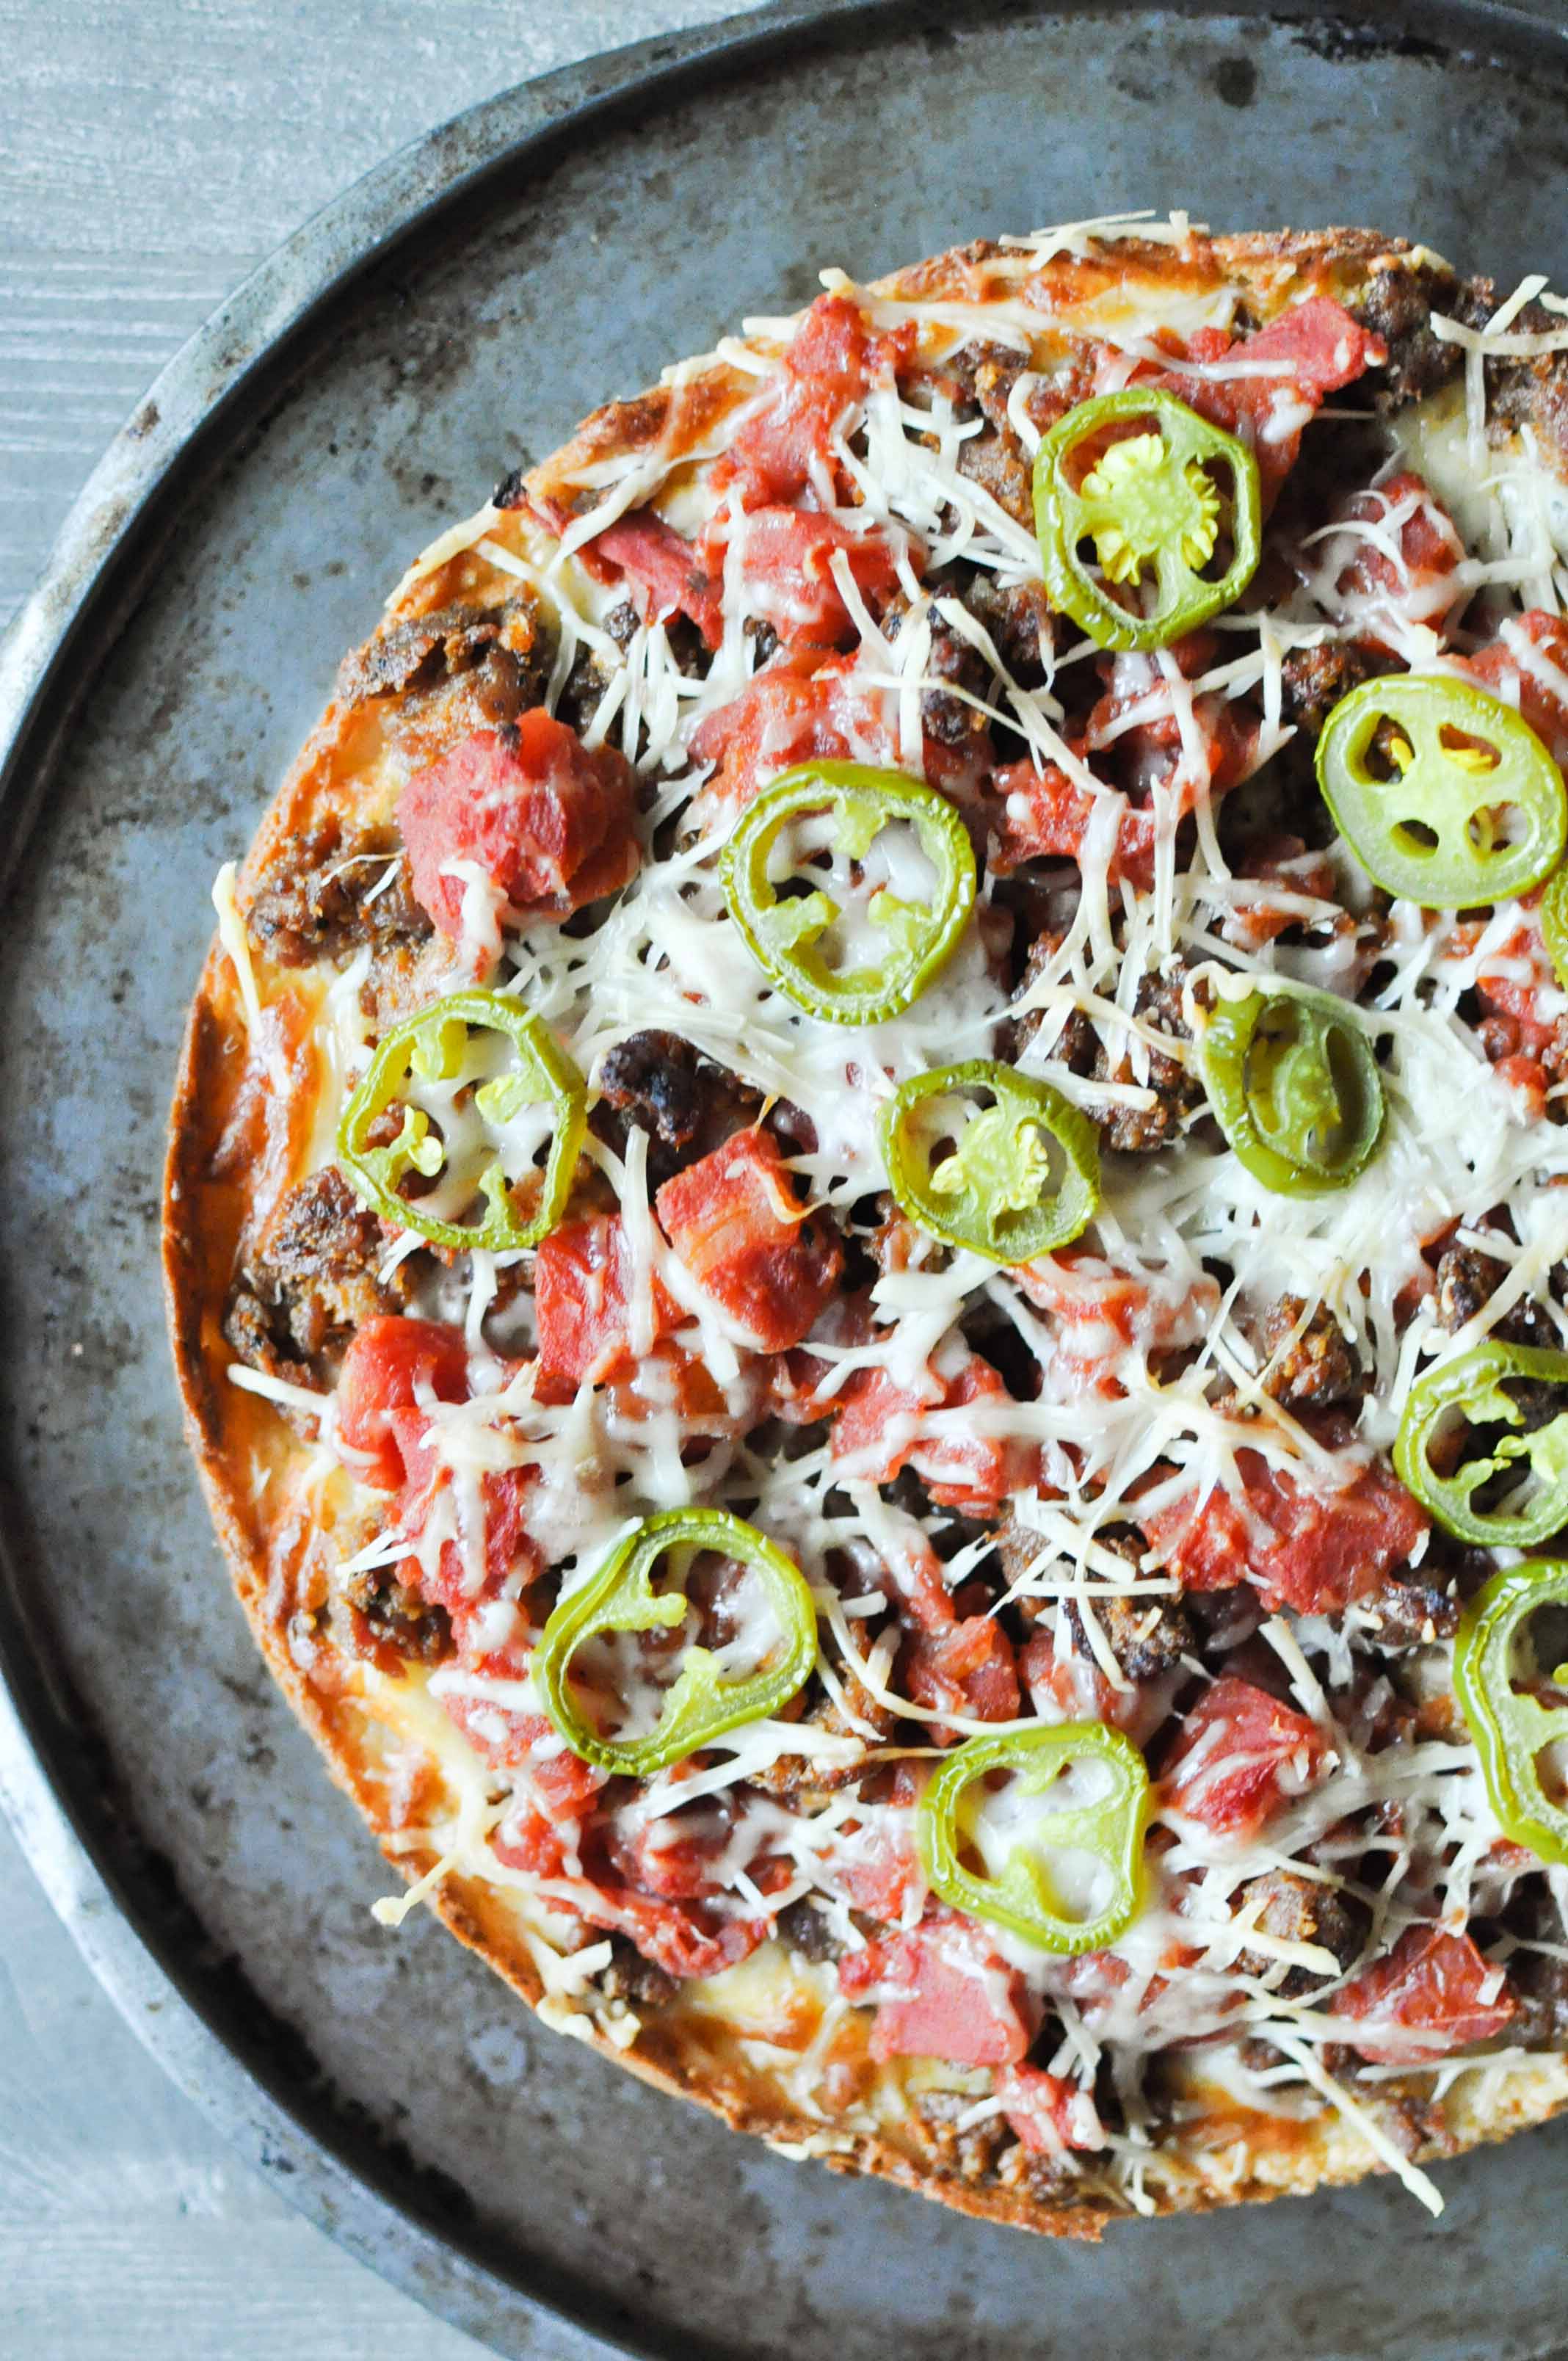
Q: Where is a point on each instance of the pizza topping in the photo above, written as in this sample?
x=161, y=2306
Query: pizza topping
x=1434, y=1992
x=544, y=819
x=942, y=1992
x=736, y=1224
x=831, y=850
x=1241, y=1757
x=1294, y=1084
x=484, y=1094
x=1489, y=1499
x=1052, y=1820
x=759, y=1606
x=1013, y=1179
x=1445, y=795
x=1139, y=479
x=1512, y=1706
x=393, y=1365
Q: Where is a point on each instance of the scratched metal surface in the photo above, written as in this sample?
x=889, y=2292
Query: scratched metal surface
x=390, y=2085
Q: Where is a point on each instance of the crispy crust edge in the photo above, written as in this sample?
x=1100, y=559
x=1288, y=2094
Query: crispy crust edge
x=197, y=1270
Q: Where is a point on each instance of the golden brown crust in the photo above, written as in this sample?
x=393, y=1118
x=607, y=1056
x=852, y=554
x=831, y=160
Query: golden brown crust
x=231, y=1138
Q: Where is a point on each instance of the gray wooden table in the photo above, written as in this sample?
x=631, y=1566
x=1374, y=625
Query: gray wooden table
x=151, y=151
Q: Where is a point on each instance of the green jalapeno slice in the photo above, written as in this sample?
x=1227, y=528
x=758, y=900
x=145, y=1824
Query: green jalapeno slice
x=1554, y=924
x=1444, y=794
x=1146, y=500
x=705, y=1699
x=1294, y=1085
x=1013, y=1179
x=823, y=821
x=1474, y=1390
x=488, y=1074
x=1511, y=1726
x=987, y=1851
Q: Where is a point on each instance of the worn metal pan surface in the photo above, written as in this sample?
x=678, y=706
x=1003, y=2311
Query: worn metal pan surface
x=447, y=321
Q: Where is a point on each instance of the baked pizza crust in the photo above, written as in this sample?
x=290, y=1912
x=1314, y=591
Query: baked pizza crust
x=244, y=1109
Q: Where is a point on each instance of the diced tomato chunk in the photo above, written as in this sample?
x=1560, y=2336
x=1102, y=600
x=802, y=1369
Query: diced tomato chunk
x=1313, y=1551
x=945, y=1994
x=877, y=1867
x=505, y=1494
x=829, y=364
x=1528, y=666
x=881, y=1428
x=736, y=1221
x=1433, y=1993
x=560, y=1784
x=1241, y=1753
x=667, y=574
x=797, y=709
x=1318, y=347
x=582, y=1288
x=547, y=820
x=390, y=1363
x=787, y=557
x=968, y=1669
x=1047, y=2112
x=1373, y=586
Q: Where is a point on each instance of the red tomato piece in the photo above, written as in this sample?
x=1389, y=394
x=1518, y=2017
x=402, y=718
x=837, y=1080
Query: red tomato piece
x=1047, y=2112
x=968, y=1669
x=1239, y=1756
x=883, y=1429
x=1433, y=1993
x=944, y=1993
x=830, y=362
x=1313, y=1551
x=582, y=1285
x=797, y=709
x=1318, y=347
x=390, y=1363
x=786, y=556
x=505, y=1494
x=547, y=820
x=1528, y=666
x=1374, y=585
x=736, y=1222
x=667, y=575
x=877, y=1867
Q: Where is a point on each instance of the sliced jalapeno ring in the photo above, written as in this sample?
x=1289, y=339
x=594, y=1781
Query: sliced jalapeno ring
x=1148, y=503
x=1017, y=1179
x=845, y=807
x=983, y=1855
x=1294, y=1085
x=1444, y=794
x=1512, y=1726
x=1554, y=924
x=1474, y=1389
x=704, y=1700
x=442, y=1055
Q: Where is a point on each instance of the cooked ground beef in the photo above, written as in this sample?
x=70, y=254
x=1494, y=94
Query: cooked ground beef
x=1411, y=1609
x=300, y=1299
x=1316, y=1370
x=804, y=1928
x=1398, y=307
x=396, y=1619
x=665, y=1086
x=1314, y=680
x=325, y=894
x=948, y=719
x=1148, y=1636
x=630, y=1977
x=793, y=1774
x=1467, y=1281
x=512, y=647
x=1299, y=1910
x=1016, y=615
x=1177, y=1092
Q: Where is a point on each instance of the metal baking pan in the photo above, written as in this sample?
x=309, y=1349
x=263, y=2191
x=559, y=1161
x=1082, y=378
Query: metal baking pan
x=445, y=321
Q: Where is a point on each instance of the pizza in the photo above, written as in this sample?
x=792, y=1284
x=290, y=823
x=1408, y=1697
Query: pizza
x=865, y=1225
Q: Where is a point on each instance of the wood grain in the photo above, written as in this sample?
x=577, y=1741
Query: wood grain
x=151, y=155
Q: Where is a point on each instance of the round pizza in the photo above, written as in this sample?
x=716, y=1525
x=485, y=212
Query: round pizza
x=866, y=1232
